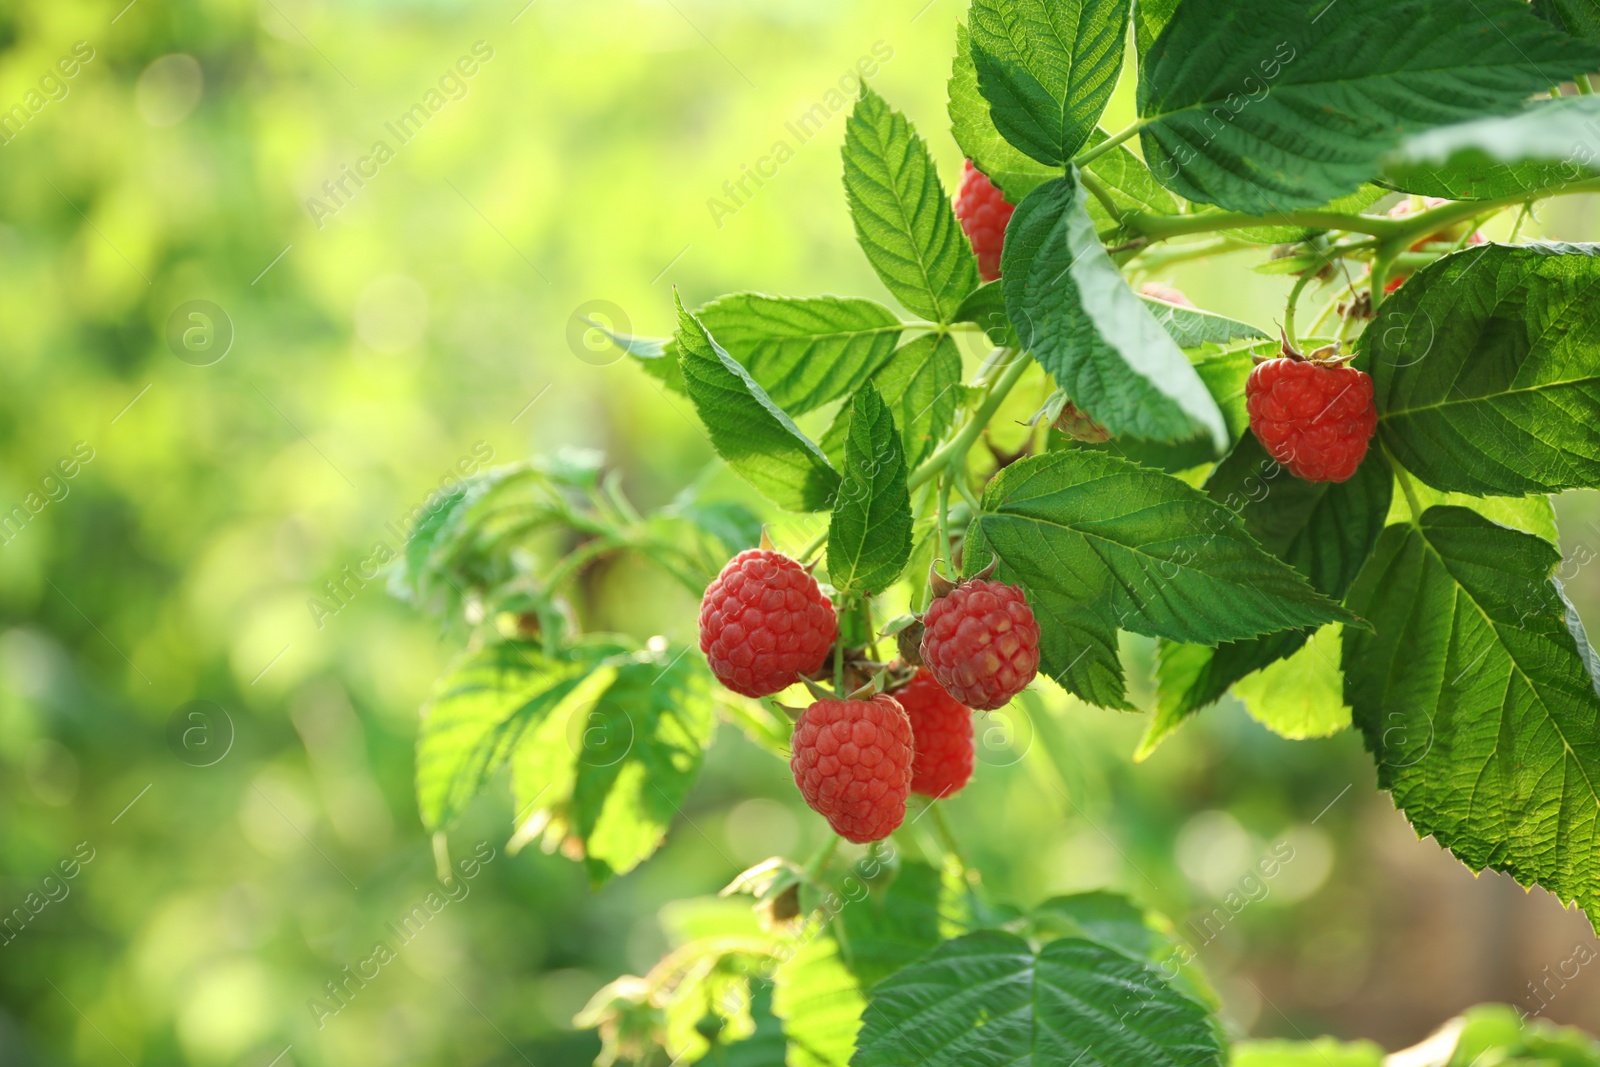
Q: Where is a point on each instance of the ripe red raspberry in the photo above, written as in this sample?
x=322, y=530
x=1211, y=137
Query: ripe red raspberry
x=1314, y=418
x=941, y=736
x=983, y=212
x=764, y=623
x=852, y=762
x=1162, y=291
x=981, y=643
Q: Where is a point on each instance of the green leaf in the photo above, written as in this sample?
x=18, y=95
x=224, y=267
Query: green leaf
x=1047, y=68
x=638, y=752
x=1015, y=173
x=806, y=351
x=1325, y=530
x=759, y=441
x=986, y=306
x=1322, y=1052
x=1476, y=696
x=901, y=924
x=1580, y=18
x=1486, y=370
x=1262, y=106
x=1191, y=327
x=1113, y=920
x=904, y=221
x=1100, y=544
x=1547, y=145
x=869, y=534
x=655, y=355
x=989, y=999
x=1150, y=17
x=1084, y=325
x=1303, y=695
x=1128, y=181
x=479, y=711
x=921, y=384
x=766, y=1046
x=1530, y=514
x=819, y=1001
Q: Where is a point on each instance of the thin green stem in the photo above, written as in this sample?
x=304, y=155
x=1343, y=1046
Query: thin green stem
x=811, y=546
x=819, y=862
x=1102, y=194
x=1089, y=155
x=966, y=492
x=1294, y=302
x=838, y=668
x=946, y=837
x=1405, y=487
x=957, y=447
x=1151, y=258
x=1322, y=316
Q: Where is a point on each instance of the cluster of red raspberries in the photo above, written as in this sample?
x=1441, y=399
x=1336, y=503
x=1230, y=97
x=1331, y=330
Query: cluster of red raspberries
x=765, y=625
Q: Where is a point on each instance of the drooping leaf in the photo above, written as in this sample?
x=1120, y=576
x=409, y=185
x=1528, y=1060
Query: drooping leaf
x=1261, y=106
x=819, y=1001
x=989, y=999
x=478, y=713
x=921, y=384
x=655, y=355
x=1550, y=143
x=903, y=219
x=759, y=441
x=803, y=351
x=1085, y=326
x=1101, y=544
x=869, y=533
x=1325, y=530
x=1476, y=696
x=1047, y=68
x=638, y=752
x=1486, y=370
x=1192, y=327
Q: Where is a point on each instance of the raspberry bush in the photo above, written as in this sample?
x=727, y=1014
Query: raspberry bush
x=1356, y=508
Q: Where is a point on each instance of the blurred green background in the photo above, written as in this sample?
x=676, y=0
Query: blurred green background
x=364, y=345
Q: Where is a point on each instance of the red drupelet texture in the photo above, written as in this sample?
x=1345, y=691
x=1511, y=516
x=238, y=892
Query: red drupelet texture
x=852, y=762
x=941, y=737
x=982, y=643
x=764, y=622
x=1316, y=420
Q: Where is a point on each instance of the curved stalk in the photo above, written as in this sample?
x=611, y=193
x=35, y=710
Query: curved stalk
x=958, y=446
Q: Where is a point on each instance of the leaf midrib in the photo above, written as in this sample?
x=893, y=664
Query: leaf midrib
x=882, y=155
x=1511, y=657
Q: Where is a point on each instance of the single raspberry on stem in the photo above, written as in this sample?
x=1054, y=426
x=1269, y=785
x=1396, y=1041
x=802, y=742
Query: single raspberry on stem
x=1312, y=413
x=852, y=762
x=980, y=639
x=764, y=623
x=983, y=212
